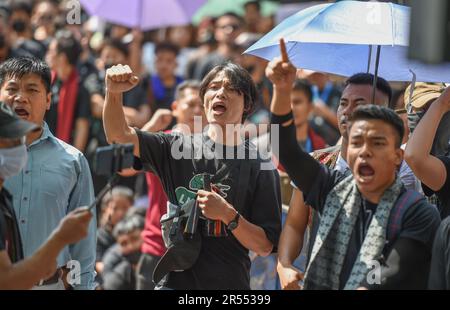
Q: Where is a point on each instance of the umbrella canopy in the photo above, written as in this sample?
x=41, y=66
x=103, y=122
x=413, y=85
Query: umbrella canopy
x=341, y=38
x=144, y=14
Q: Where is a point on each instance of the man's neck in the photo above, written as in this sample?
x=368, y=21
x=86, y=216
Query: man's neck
x=344, y=145
x=168, y=81
x=375, y=197
x=224, y=49
x=230, y=137
x=64, y=72
x=33, y=136
x=301, y=131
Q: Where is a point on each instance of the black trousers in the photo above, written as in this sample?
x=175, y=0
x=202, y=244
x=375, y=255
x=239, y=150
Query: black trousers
x=144, y=271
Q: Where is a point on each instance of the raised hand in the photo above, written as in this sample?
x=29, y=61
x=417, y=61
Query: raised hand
x=120, y=79
x=159, y=121
x=280, y=70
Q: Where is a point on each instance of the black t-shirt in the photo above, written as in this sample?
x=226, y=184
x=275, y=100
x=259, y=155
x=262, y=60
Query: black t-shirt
x=443, y=194
x=118, y=273
x=223, y=262
x=105, y=240
x=419, y=221
x=82, y=105
x=9, y=231
x=440, y=263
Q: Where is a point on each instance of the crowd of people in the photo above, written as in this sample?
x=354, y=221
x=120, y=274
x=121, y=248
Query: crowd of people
x=366, y=204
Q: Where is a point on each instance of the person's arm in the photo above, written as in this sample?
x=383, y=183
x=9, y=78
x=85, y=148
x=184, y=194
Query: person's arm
x=136, y=52
x=97, y=103
x=137, y=117
x=118, y=80
x=291, y=241
x=251, y=236
x=429, y=169
x=159, y=121
x=300, y=166
x=259, y=225
x=42, y=264
x=84, y=251
x=81, y=133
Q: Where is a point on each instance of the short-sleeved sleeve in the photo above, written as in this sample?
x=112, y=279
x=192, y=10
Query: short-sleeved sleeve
x=266, y=205
x=420, y=223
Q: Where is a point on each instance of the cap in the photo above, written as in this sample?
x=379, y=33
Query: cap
x=423, y=93
x=11, y=125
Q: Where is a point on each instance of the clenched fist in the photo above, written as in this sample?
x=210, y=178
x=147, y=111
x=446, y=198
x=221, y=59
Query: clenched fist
x=214, y=206
x=120, y=79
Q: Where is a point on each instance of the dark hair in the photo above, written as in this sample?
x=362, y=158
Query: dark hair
x=128, y=225
x=367, y=79
x=194, y=84
x=21, y=5
x=118, y=45
x=304, y=86
x=166, y=47
x=67, y=44
x=20, y=66
x=240, y=80
x=375, y=112
x=229, y=14
x=254, y=3
x=396, y=95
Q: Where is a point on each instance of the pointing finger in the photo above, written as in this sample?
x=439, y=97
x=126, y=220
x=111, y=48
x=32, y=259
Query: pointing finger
x=284, y=55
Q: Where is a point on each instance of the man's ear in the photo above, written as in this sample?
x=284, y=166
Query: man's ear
x=399, y=157
x=49, y=100
x=174, y=107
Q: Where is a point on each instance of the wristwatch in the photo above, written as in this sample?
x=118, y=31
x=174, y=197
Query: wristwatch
x=234, y=223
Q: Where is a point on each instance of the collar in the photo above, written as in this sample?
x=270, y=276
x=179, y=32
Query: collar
x=341, y=164
x=46, y=134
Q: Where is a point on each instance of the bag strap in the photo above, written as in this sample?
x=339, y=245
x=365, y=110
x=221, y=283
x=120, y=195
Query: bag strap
x=406, y=199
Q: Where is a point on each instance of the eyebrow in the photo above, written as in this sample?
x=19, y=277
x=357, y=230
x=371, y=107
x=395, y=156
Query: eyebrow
x=360, y=99
x=33, y=85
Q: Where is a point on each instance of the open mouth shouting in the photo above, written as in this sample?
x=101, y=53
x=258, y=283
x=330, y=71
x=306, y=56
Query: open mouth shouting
x=219, y=108
x=365, y=173
x=22, y=112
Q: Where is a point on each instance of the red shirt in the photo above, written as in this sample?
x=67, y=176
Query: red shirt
x=152, y=236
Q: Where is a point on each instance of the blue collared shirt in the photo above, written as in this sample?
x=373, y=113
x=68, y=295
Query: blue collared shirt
x=55, y=181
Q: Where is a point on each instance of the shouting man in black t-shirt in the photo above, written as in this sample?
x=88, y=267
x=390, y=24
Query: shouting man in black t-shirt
x=242, y=211
x=434, y=173
x=373, y=233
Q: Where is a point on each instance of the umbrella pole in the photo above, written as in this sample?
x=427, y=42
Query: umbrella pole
x=375, y=77
x=369, y=59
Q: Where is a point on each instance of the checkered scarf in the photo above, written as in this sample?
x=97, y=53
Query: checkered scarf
x=340, y=213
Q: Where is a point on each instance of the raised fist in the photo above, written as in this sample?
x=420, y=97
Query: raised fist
x=120, y=79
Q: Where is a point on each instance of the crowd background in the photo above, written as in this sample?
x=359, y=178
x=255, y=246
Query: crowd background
x=80, y=54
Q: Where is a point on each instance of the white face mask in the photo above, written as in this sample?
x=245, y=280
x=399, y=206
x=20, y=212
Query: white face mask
x=12, y=161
